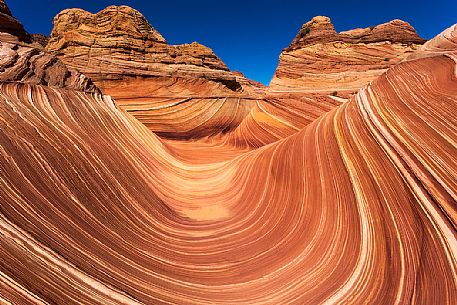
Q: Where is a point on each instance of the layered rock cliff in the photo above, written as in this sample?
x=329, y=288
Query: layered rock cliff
x=23, y=60
x=128, y=59
x=9, y=24
x=118, y=41
x=321, y=60
x=27, y=64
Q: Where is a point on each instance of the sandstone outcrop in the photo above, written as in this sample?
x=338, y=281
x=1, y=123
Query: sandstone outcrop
x=9, y=24
x=321, y=60
x=442, y=44
x=23, y=60
x=128, y=59
x=26, y=64
x=118, y=42
x=352, y=202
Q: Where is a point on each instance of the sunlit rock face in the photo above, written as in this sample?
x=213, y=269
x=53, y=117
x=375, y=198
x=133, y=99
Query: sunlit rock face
x=442, y=44
x=321, y=60
x=119, y=41
x=25, y=63
x=128, y=59
x=351, y=202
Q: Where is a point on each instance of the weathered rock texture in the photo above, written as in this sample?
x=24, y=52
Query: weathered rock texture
x=26, y=62
x=40, y=39
x=9, y=24
x=128, y=59
x=356, y=206
x=321, y=60
x=119, y=41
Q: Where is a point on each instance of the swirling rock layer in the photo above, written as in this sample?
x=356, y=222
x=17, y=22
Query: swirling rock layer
x=358, y=206
x=128, y=59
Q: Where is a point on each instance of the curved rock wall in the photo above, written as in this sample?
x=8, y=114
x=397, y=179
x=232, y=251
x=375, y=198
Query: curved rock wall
x=324, y=201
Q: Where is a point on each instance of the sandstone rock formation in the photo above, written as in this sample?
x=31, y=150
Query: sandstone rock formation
x=22, y=61
x=440, y=45
x=9, y=24
x=128, y=59
x=321, y=60
x=119, y=41
x=27, y=64
x=358, y=206
x=40, y=39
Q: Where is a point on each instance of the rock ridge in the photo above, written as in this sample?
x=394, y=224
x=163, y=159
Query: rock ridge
x=23, y=60
x=321, y=30
x=320, y=59
x=122, y=37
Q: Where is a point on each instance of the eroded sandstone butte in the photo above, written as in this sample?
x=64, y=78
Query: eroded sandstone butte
x=321, y=60
x=128, y=59
x=119, y=42
x=23, y=60
x=357, y=207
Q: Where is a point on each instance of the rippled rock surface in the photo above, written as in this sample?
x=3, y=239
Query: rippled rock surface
x=329, y=202
x=162, y=85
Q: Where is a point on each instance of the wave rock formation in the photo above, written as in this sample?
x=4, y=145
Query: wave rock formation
x=303, y=200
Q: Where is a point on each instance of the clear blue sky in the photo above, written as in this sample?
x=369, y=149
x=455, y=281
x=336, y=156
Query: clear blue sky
x=249, y=35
